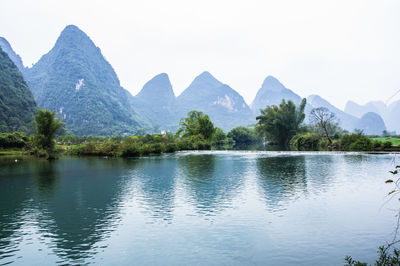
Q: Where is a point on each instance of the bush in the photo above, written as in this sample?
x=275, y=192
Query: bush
x=306, y=142
x=109, y=148
x=130, y=149
x=364, y=144
x=171, y=147
x=202, y=145
x=145, y=149
x=376, y=144
x=387, y=144
x=355, y=142
x=185, y=145
x=156, y=148
x=13, y=140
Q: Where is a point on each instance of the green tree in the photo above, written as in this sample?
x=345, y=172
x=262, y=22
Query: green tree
x=355, y=142
x=47, y=126
x=244, y=137
x=220, y=141
x=278, y=124
x=196, y=124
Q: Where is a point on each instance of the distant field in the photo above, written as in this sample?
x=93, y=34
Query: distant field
x=394, y=141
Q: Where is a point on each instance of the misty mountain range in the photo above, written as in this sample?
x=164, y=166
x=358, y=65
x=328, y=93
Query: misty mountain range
x=75, y=80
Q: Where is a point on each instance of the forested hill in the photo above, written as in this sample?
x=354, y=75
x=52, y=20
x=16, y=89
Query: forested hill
x=17, y=105
x=75, y=80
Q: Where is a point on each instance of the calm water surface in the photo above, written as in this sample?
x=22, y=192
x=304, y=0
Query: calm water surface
x=198, y=208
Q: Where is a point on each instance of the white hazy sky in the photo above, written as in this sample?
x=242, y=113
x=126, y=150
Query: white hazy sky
x=338, y=49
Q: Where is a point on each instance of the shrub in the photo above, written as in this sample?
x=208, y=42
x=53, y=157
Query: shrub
x=109, y=148
x=355, y=142
x=363, y=144
x=145, y=149
x=171, y=147
x=185, y=145
x=156, y=148
x=13, y=140
x=387, y=144
x=376, y=144
x=130, y=149
x=306, y=142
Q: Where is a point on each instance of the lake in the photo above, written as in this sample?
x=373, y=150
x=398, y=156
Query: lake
x=196, y=208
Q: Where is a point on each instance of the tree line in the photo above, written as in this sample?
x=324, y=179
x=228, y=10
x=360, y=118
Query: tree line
x=278, y=127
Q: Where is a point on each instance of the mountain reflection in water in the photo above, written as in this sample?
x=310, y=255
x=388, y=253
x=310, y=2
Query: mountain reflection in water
x=194, y=208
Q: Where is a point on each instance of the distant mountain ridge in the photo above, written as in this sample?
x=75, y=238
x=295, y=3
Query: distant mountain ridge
x=389, y=113
x=357, y=110
x=346, y=121
x=75, y=80
x=371, y=124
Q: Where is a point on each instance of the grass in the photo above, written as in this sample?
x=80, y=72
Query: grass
x=394, y=141
x=12, y=152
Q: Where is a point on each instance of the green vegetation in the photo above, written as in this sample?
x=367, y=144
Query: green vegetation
x=384, y=259
x=393, y=141
x=355, y=142
x=16, y=140
x=16, y=143
x=197, y=126
x=17, y=105
x=245, y=138
x=196, y=132
x=278, y=124
x=47, y=126
x=311, y=141
x=221, y=141
x=127, y=146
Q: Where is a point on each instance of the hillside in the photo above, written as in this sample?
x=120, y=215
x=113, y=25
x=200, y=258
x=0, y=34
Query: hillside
x=17, y=106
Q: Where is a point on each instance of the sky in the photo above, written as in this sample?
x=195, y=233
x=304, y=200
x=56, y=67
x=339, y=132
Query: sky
x=340, y=50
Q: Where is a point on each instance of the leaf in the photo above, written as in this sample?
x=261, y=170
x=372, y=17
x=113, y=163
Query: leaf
x=389, y=181
x=395, y=172
x=391, y=192
x=397, y=166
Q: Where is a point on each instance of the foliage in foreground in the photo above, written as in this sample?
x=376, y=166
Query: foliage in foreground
x=386, y=258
